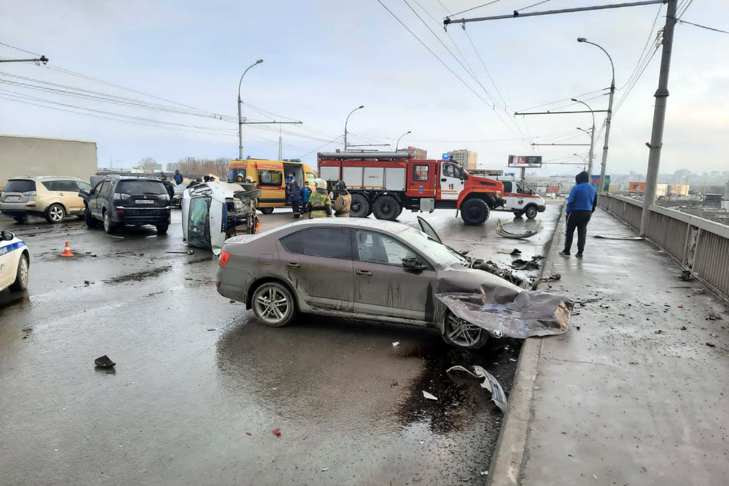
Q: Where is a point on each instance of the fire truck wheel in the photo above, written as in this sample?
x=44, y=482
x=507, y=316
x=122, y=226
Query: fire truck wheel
x=531, y=212
x=386, y=207
x=474, y=211
x=360, y=207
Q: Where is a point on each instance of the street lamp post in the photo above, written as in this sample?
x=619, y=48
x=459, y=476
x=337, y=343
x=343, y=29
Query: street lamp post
x=345, y=125
x=609, y=117
x=240, y=102
x=592, y=135
x=397, y=144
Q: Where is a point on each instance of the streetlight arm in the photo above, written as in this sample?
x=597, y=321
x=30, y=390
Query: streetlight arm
x=612, y=65
x=240, y=82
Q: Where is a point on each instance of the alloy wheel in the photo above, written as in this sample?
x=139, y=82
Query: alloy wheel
x=272, y=305
x=55, y=213
x=462, y=333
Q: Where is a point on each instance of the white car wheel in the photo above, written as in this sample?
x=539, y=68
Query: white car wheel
x=21, y=276
x=55, y=213
x=463, y=334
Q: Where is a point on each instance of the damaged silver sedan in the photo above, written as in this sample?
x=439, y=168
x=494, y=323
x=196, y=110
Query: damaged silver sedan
x=362, y=269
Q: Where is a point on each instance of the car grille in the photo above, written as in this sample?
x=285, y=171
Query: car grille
x=145, y=216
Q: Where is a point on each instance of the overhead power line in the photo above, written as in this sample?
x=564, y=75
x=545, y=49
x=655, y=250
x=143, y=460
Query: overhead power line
x=470, y=9
x=704, y=26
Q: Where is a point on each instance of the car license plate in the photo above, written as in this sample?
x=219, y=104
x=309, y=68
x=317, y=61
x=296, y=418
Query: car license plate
x=12, y=198
x=145, y=201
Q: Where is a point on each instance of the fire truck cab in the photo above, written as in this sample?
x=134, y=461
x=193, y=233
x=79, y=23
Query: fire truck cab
x=385, y=183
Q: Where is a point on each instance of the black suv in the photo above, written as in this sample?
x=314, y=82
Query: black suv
x=119, y=200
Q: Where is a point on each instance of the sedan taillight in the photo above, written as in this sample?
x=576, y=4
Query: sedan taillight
x=223, y=258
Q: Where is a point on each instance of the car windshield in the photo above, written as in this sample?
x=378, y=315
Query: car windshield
x=20, y=185
x=437, y=252
x=141, y=187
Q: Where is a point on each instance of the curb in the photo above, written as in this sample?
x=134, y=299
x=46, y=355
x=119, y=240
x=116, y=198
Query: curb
x=510, y=455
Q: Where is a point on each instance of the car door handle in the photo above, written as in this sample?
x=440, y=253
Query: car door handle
x=443, y=179
x=366, y=273
x=293, y=265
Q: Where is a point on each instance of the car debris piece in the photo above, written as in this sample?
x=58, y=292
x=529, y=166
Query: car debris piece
x=395, y=344
x=504, y=273
x=429, y=396
x=520, y=264
x=276, y=432
x=488, y=382
x=517, y=231
x=529, y=313
x=687, y=276
x=515, y=251
x=104, y=362
x=624, y=238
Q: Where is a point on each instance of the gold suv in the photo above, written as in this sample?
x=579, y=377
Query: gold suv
x=54, y=198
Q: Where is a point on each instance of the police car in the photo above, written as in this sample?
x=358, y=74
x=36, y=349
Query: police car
x=521, y=201
x=14, y=262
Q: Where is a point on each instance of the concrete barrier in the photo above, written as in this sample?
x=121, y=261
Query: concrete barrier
x=699, y=245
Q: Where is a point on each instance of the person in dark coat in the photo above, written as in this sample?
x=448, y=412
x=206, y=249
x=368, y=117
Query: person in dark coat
x=581, y=204
x=178, y=177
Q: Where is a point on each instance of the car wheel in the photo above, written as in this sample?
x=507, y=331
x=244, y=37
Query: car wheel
x=273, y=304
x=21, y=219
x=21, y=276
x=387, y=208
x=531, y=212
x=266, y=210
x=162, y=229
x=463, y=334
x=474, y=211
x=108, y=225
x=360, y=207
x=55, y=213
x=90, y=221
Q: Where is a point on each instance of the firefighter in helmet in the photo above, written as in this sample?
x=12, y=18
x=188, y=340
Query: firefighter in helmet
x=342, y=200
x=320, y=205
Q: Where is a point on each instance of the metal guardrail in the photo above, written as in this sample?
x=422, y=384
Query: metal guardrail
x=699, y=245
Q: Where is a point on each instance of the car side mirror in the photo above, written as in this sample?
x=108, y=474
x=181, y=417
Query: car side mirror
x=7, y=235
x=83, y=193
x=413, y=265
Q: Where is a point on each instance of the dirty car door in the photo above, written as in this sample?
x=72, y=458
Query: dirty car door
x=383, y=287
x=319, y=267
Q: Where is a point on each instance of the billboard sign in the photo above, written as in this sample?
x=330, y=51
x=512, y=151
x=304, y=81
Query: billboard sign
x=525, y=161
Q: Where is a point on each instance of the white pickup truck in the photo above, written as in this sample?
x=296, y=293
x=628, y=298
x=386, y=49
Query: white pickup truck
x=521, y=200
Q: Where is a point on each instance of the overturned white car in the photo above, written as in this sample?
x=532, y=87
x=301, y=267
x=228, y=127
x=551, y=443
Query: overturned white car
x=215, y=211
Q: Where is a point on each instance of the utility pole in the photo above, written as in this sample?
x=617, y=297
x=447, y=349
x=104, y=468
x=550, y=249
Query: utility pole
x=280, y=144
x=592, y=137
x=240, y=102
x=608, y=119
x=659, y=117
x=345, y=125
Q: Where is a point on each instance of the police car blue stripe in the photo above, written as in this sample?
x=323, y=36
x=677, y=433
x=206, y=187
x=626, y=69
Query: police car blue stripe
x=18, y=245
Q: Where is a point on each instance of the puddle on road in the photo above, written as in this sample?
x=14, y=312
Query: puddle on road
x=138, y=276
x=457, y=403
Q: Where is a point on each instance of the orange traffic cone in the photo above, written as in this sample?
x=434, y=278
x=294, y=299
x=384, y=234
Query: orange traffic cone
x=67, y=250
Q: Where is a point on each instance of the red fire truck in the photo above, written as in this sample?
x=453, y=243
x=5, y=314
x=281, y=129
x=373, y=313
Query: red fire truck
x=384, y=183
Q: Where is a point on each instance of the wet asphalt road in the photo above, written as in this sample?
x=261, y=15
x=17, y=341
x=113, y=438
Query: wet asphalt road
x=200, y=385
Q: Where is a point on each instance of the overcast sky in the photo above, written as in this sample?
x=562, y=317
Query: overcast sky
x=323, y=58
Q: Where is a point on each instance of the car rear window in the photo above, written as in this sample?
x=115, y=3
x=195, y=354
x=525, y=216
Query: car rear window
x=20, y=185
x=140, y=187
x=320, y=242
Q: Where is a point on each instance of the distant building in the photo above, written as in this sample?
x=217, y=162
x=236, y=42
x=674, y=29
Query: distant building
x=417, y=153
x=465, y=158
x=678, y=190
x=32, y=156
x=638, y=187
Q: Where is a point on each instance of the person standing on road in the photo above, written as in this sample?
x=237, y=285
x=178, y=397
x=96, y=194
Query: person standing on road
x=320, y=205
x=178, y=177
x=581, y=204
x=343, y=200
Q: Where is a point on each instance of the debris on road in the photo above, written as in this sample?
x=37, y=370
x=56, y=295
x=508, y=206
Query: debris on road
x=687, y=276
x=104, y=362
x=504, y=273
x=711, y=345
x=551, y=278
x=532, y=264
x=324, y=469
x=623, y=238
x=515, y=251
x=518, y=231
x=429, y=396
x=276, y=432
x=395, y=344
x=528, y=313
x=713, y=316
x=488, y=382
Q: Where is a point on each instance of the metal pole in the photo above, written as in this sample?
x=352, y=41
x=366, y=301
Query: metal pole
x=592, y=136
x=397, y=144
x=608, y=120
x=345, y=125
x=659, y=117
x=240, y=119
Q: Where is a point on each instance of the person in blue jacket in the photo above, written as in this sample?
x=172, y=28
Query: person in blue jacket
x=580, y=205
